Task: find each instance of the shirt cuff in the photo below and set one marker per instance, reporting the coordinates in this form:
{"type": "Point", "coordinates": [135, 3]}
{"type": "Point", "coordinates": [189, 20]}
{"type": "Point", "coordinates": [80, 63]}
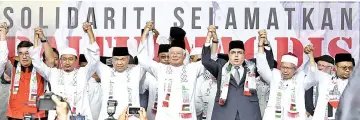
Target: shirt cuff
{"type": "Point", "coordinates": [214, 57]}
{"type": "Point", "coordinates": [267, 48]}
{"type": "Point", "coordinates": [207, 44]}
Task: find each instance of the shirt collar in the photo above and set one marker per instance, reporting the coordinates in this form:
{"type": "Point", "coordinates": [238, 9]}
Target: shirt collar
{"type": "Point", "coordinates": [23, 69]}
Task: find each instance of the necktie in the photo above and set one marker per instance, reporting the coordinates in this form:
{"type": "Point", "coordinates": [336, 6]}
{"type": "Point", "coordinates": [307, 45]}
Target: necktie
{"type": "Point", "coordinates": [237, 74]}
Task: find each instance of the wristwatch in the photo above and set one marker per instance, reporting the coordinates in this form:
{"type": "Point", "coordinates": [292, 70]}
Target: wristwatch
{"type": "Point", "coordinates": [44, 40]}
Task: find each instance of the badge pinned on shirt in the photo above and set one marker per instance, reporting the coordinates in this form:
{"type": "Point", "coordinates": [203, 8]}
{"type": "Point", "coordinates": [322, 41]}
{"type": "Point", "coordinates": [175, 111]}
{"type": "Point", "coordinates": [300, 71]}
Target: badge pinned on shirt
{"type": "Point", "coordinates": [77, 117]}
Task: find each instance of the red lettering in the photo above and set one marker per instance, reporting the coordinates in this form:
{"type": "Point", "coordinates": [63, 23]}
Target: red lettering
{"type": "Point", "coordinates": [200, 41]}
{"type": "Point", "coordinates": [10, 40]}
{"type": "Point", "coordinates": [121, 41]}
{"type": "Point", "coordinates": [282, 47]}
{"type": "Point", "coordinates": [225, 44]}
{"type": "Point", "coordinates": [334, 49]}
{"type": "Point", "coordinates": [22, 38]}
{"type": "Point", "coordinates": [298, 50]}
{"type": "Point", "coordinates": [100, 42]}
{"type": "Point", "coordinates": [249, 48]}
{"type": "Point", "coordinates": [187, 46]}
{"type": "Point", "coordinates": [317, 43]}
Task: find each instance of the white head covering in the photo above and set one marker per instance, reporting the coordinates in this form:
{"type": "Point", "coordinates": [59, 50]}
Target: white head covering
{"type": "Point", "coordinates": [68, 50]}
{"type": "Point", "coordinates": [196, 51]}
{"type": "Point", "coordinates": [289, 59]}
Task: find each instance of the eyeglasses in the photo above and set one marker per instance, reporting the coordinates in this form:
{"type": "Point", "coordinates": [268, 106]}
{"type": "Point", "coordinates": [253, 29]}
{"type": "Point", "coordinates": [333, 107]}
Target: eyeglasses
{"type": "Point", "coordinates": [347, 68]}
{"type": "Point", "coordinates": [24, 54]}
{"type": "Point", "coordinates": [163, 57]}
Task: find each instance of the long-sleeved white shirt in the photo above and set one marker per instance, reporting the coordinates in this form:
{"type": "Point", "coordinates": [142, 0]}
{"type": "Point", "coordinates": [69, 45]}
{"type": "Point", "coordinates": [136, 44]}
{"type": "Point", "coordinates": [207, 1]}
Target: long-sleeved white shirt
{"type": "Point", "coordinates": [303, 82]}
{"type": "Point", "coordinates": [95, 98]}
{"type": "Point", "coordinates": [325, 84]}
{"type": "Point", "coordinates": [158, 70]}
{"type": "Point", "coordinates": [120, 88]}
{"type": "Point", "coordinates": [3, 56]}
{"type": "Point", "coordinates": [68, 89]}
{"type": "Point", "coordinates": [152, 86]}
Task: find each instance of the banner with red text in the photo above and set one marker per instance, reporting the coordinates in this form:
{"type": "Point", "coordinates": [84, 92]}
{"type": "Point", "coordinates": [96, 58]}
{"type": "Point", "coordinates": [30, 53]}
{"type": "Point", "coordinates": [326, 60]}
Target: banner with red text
{"type": "Point", "coordinates": [332, 27]}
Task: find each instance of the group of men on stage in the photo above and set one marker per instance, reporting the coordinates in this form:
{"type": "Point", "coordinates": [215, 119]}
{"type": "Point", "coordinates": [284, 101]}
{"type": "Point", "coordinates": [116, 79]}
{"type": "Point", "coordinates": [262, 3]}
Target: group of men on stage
{"type": "Point", "coordinates": [210, 86]}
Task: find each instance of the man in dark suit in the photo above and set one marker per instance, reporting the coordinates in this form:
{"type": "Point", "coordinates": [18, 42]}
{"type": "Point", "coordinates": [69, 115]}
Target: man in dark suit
{"type": "Point", "coordinates": [233, 99]}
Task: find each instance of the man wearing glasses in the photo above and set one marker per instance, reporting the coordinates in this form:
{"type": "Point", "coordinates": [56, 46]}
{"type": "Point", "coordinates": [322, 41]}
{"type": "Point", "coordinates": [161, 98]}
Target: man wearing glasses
{"type": "Point", "coordinates": [332, 86]}
{"type": "Point", "coordinates": [324, 63]}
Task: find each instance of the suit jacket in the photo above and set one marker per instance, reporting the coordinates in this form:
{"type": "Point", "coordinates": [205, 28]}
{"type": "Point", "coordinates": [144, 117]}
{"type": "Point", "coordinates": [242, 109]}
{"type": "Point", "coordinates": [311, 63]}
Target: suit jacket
{"type": "Point", "coordinates": [309, 106]}
{"type": "Point", "coordinates": [246, 106]}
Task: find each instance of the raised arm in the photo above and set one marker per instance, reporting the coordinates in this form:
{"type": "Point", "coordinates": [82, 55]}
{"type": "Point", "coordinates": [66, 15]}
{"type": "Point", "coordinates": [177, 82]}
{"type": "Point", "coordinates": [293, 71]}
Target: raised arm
{"type": "Point", "coordinates": [3, 49]}
{"type": "Point", "coordinates": [145, 52]}
{"type": "Point", "coordinates": [262, 64]}
{"type": "Point", "coordinates": [312, 74]}
{"type": "Point", "coordinates": [208, 61]}
{"type": "Point", "coordinates": [49, 53]}
{"type": "Point", "coordinates": [38, 64]}
{"type": "Point", "coordinates": [92, 52]}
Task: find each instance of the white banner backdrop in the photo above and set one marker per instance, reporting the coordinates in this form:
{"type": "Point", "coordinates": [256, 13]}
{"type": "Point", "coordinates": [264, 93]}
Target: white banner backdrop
{"type": "Point", "coordinates": [290, 25]}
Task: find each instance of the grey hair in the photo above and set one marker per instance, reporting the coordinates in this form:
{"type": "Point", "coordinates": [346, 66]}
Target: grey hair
{"type": "Point", "coordinates": [184, 51]}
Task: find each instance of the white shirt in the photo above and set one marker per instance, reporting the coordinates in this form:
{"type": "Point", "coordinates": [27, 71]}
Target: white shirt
{"type": "Point", "coordinates": [325, 85]}
{"type": "Point", "coordinates": [206, 96]}
{"type": "Point", "coordinates": [158, 70]}
{"type": "Point", "coordinates": [303, 82]}
{"type": "Point", "coordinates": [240, 70]}
{"type": "Point", "coordinates": [3, 56]}
{"type": "Point", "coordinates": [151, 85]}
{"type": "Point", "coordinates": [94, 92]}
{"type": "Point", "coordinates": [120, 88]}
{"type": "Point", "coordinates": [69, 87]}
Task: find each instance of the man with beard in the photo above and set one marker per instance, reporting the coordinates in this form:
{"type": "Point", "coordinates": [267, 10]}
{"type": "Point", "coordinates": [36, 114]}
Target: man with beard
{"type": "Point", "coordinates": [70, 82]}
{"type": "Point", "coordinates": [324, 63]}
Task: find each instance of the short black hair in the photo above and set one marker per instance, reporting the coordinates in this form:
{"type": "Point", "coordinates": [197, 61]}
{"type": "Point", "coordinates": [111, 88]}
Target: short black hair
{"type": "Point", "coordinates": [24, 44]}
{"type": "Point", "coordinates": [54, 50]}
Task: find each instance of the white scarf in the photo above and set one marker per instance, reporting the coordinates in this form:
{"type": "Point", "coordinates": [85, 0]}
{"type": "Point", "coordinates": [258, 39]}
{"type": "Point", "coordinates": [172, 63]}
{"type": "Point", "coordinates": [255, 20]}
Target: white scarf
{"type": "Point", "coordinates": [250, 82]}
{"type": "Point", "coordinates": [281, 89]}
{"type": "Point", "coordinates": [128, 85]}
{"type": "Point", "coordinates": [185, 109]}
{"type": "Point", "coordinates": [33, 84]}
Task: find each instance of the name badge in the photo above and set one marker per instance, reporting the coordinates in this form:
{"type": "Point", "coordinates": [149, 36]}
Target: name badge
{"type": "Point", "coordinates": [77, 117]}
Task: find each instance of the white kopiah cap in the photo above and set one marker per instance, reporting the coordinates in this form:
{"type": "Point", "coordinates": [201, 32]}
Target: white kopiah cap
{"type": "Point", "coordinates": [290, 58]}
{"type": "Point", "coordinates": [68, 50]}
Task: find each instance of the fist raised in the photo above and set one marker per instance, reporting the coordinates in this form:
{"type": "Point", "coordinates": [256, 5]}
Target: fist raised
{"type": "Point", "coordinates": [149, 25]}
{"type": "Point", "coordinates": [262, 34]}
{"type": "Point", "coordinates": [87, 27]}
{"type": "Point", "coordinates": [4, 28]}
{"type": "Point", "coordinates": [309, 49]}
{"type": "Point", "coordinates": [212, 28]}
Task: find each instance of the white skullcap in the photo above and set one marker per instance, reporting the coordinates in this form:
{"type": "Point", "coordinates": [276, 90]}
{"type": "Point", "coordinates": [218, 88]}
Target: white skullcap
{"type": "Point", "coordinates": [196, 51]}
{"type": "Point", "coordinates": [290, 59]}
{"type": "Point", "coordinates": [70, 51]}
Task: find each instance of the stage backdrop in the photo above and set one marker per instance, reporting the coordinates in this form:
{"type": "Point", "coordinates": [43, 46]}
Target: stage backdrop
{"type": "Point", "coordinates": [332, 27]}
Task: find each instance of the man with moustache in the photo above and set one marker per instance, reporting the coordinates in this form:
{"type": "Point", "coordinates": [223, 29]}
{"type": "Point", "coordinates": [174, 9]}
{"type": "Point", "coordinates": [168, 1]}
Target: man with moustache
{"type": "Point", "coordinates": [69, 81]}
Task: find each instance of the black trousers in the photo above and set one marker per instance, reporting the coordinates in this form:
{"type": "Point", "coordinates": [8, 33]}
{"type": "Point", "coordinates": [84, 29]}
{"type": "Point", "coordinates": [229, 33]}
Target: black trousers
{"type": "Point", "coordinates": [9, 118]}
